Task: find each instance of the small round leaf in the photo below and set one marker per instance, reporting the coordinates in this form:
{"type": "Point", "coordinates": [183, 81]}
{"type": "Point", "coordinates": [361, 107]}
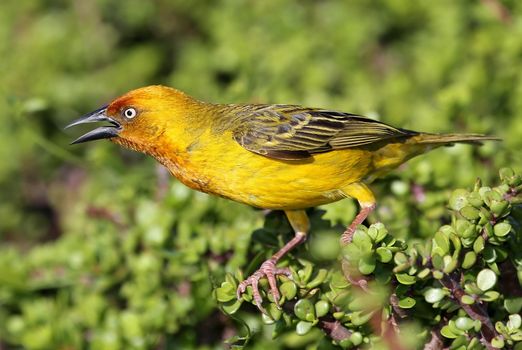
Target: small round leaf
{"type": "Point", "coordinates": [304, 309]}
{"type": "Point", "coordinates": [406, 279]}
{"type": "Point", "coordinates": [407, 303]}
{"type": "Point", "coordinates": [464, 323]}
{"type": "Point", "coordinates": [434, 295]}
{"type": "Point", "coordinates": [321, 308]}
{"type": "Point", "coordinates": [502, 229]}
{"type": "Point", "coordinates": [486, 279]}
{"type": "Point", "coordinates": [303, 327]}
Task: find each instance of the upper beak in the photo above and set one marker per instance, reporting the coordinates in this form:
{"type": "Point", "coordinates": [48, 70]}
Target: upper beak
{"type": "Point", "coordinates": [103, 132]}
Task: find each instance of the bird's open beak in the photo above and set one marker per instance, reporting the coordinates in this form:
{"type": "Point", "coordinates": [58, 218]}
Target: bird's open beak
{"type": "Point", "coordinates": [103, 132]}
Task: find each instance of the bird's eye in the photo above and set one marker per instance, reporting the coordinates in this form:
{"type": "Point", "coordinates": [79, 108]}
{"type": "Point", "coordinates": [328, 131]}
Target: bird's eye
{"type": "Point", "coordinates": [130, 113]}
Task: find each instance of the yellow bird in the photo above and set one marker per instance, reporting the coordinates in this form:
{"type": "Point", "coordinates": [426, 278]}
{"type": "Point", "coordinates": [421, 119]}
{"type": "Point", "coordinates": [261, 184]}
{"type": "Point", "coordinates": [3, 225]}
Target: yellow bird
{"type": "Point", "coordinates": [281, 157]}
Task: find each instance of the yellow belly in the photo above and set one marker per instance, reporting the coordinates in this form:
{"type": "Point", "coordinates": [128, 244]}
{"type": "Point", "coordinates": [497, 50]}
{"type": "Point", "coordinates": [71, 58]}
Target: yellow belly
{"type": "Point", "coordinates": [228, 170]}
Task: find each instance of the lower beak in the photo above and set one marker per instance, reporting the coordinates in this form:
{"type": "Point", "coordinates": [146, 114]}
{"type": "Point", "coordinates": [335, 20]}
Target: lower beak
{"type": "Point", "coordinates": [103, 132]}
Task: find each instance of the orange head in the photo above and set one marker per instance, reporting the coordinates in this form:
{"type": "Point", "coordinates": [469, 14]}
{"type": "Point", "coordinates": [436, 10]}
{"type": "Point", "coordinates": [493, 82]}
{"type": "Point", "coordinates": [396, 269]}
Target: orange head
{"type": "Point", "coordinates": [139, 118]}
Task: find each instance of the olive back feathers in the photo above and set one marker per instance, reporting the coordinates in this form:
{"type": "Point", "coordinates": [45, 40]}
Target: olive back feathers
{"type": "Point", "coordinates": [291, 132]}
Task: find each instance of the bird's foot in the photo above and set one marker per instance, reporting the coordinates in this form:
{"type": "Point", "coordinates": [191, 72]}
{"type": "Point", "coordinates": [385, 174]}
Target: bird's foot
{"type": "Point", "coordinates": [269, 270]}
{"type": "Point", "coordinates": [366, 209]}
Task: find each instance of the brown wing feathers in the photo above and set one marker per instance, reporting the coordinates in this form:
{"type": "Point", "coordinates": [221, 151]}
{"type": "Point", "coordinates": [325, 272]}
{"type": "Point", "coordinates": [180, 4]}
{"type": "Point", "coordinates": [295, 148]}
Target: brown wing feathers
{"type": "Point", "coordinates": [293, 132]}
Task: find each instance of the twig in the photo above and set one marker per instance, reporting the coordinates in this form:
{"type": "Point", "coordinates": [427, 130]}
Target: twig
{"type": "Point", "coordinates": [106, 214]}
{"type": "Point", "coordinates": [330, 326]}
{"type": "Point", "coordinates": [387, 328]}
{"type": "Point", "coordinates": [436, 342]}
{"type": "Point", "coordinates": [333, 328]}
{"type": "Point", "coordinates": [397, 311]}
{"type": "Point", "coordinates": [500, 11]}
{"type": "Point", "coordinates": [353, 276]}
{"type": "Point", "coordinates": [475, 311]}
{"type": "Point", "coordinates": [390, 335]}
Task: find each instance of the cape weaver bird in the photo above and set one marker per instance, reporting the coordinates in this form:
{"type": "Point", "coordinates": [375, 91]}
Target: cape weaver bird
{"type": "Point", "coordinates": [283, 157]}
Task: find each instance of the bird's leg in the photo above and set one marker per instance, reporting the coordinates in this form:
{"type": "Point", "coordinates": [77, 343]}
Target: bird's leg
{"type": "Point", "coordinates": [366, 209]}
{"type": "Point", "coordinates": [300, 223]}
{"type": "Point", "coordinates": [366, 201]}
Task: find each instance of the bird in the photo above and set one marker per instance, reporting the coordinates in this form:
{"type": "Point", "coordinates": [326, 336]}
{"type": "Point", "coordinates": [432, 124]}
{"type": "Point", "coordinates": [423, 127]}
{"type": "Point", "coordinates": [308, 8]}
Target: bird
{"type": "Point", "coordinates": [270, 156]}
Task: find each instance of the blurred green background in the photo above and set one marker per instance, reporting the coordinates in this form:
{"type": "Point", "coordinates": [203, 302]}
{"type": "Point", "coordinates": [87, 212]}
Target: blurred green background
{"type": "Point", "coordinates": [101, 249]}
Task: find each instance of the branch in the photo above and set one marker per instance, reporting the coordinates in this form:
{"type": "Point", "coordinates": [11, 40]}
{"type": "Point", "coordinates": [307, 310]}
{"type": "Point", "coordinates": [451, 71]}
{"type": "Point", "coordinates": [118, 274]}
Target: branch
{"type": "Point", "coordinates": [333, 328]}
{"type": "Point", "coordinates": [397, 313]}
{"type": "Point", "coordinates": [500, 11]}
{"type": "Point", "coordinates": [436, 342]}
{"type": "Point", "coordinates": [475, 311]}
{"type": "Point", "coordinates": [386, 327]}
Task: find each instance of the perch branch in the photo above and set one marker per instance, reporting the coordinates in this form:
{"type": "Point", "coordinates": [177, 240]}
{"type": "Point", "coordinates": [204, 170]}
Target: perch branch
{"type": "Point", "coordinates": [475, 311]}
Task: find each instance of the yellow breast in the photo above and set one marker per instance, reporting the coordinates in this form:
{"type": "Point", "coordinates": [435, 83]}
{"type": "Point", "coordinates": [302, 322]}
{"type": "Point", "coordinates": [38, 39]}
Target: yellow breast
{"type": "Point", "coordinates": [220, 166]}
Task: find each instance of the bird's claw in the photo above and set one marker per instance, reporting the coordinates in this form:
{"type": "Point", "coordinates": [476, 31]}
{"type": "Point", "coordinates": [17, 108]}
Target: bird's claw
{"type": "Point", "coordinates": [269, 270]}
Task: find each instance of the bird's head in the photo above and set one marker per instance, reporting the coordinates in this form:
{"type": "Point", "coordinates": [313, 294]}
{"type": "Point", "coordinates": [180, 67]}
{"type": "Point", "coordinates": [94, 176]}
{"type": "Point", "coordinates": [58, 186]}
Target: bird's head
{"type": "Point", "coordinates": [139, 118]}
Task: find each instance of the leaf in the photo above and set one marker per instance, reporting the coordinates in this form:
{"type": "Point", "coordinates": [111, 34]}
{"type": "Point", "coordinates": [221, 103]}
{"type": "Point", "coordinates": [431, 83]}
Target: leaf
{"type": "Point", "coordinates": [486, 279]}
{"type": "Point", "coordinates": [515, 321]}
{"type": "Point", "coordinates": [305, 273]}
{"type": "Point", "coordinates": [478, 245]}
{"type": "Point", "coordinates": [499, 207]}
{"type": "Point", "coordinates": [361, 239]}
{"type": "Point", "coordinates": [367, 265]}
{"type": "Point", "coordinates": [513, 305]}
{"type": "Point", "coordinates": [434, 295]}
{"type": "Point", "coordinates": [490, 295]}
{"type": "Point", "coordinates": [400, 258]}
{"type": "Point", "coordinates": [448, 333]}
{"type": "Point", "coordinates": [356, 338]}
{"type": "Point", "coordinates": [231, 307]}
{"type": "Point", "coordinates": [359, 318]}
{"type": "Point", "coordinates": [384, 254]}
{"type": "Point", "coordinates": [458, 199]}
{"type": "Point", "coordinates": [470, 213]}
{"type": "Point", "coordinates": [226, 292]}
{"type": "Point", "coordinates": [303, 327]}
{"type": "Point", "coordinates": [489, 254]}
{"type": "Point", "coordinates": [318, 279]}
{"type": "Point", "coordinates": [441, 241]}
{"type": "Point", "coordinates": [288, 289]}
{"type": "Point", "coordinates": [407, 303]}
{"type": "Point", "coordinates": [466, 299]}
{"type": "Point", "coordinates": [406, 279]}
{"type": "Point", "coordinates": [497, 342]}
{"type": "Point", "coordinates": [469, 260]}
{"type": "Point", "coordinates": [322, 307]}
{"type": "Point", "coordinates": [464, 323]}
{"type": "Point", "coordinates": [304, 309]}
{"type": "Point", "coordinates": [502, 229]}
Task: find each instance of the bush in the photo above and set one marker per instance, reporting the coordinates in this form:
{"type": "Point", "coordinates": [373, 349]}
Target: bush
{"type": "Point", "coordinates": [100, 250]}
{"type": "Point", "coordinates": [461, 287]}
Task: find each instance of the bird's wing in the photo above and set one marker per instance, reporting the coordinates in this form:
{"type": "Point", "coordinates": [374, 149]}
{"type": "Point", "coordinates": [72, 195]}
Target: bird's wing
{"type": "Point", "coordinates": [290, 132]}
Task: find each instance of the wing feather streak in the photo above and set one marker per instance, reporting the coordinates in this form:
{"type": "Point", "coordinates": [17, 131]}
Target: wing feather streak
{"type": "Point", "coordinates": [293, 132]}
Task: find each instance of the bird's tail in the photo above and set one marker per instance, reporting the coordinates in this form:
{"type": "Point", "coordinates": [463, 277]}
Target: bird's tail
{"type": "Point", "coordinates": [449, 139]}
{"type": "Point", "coordinates": [394, 154]}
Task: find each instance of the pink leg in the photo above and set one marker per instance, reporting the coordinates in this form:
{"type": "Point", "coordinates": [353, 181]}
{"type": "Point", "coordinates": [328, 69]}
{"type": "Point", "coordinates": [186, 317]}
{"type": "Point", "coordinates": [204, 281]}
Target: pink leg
{"type": "Point", "coordinates": [269, 270]}
{"type": "Point", "coordinates": [366, 209]}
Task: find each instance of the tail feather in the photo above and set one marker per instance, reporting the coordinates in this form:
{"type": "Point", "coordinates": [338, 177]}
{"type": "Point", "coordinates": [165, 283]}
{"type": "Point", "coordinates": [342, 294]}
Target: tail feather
{"type": "Point", "coordinates": [394, 154]}
{"type": "Point", "coordinates": [449, 139]}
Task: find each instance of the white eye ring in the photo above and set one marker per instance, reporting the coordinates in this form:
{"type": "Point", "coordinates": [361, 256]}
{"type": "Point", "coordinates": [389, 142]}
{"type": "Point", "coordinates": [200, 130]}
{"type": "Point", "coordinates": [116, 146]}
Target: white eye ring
{"type": "Point", "coordinates": [130, 113]}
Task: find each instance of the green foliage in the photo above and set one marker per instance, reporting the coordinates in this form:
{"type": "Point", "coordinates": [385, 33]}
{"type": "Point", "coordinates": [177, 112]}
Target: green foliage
{"type": "Point", "coordinates": [98, 248]}
{"type": "Point", "coordinates": [449, 283]}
